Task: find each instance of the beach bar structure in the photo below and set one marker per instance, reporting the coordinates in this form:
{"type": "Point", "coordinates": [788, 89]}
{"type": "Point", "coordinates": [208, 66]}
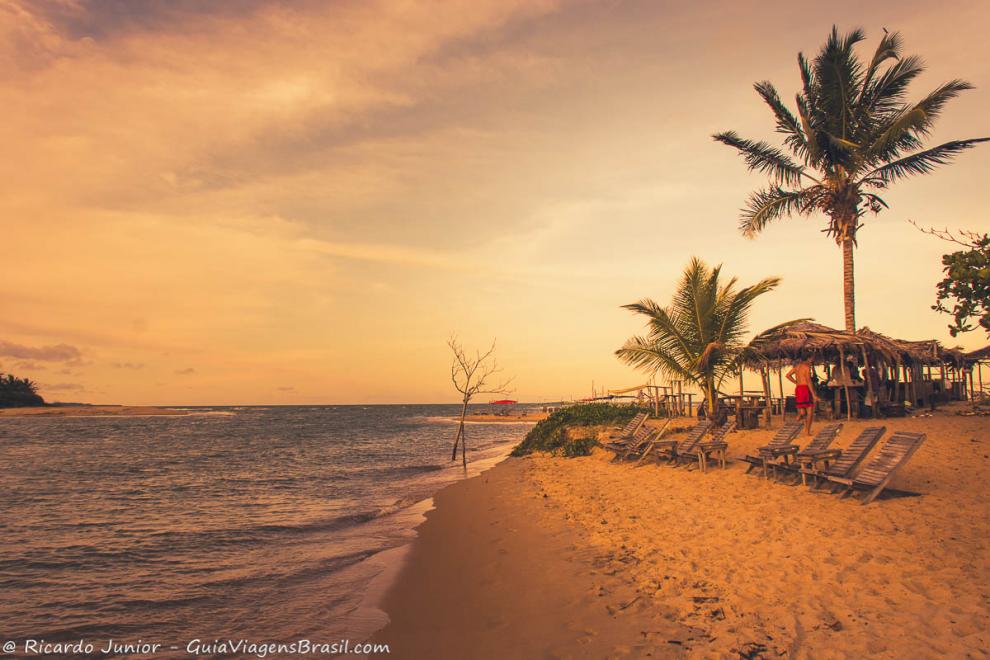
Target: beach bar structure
{"type": "Point", "coordinates": [975, 360]}
{"type": "Point", "coordinates": [670, 400]}
{"type": "Point", "coordinates": [894, 371]}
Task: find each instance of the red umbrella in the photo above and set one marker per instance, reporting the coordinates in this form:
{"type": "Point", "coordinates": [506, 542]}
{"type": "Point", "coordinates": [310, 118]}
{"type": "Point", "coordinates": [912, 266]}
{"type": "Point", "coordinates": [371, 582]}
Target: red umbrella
{"type": "Point", "coordinates": [503, 402]}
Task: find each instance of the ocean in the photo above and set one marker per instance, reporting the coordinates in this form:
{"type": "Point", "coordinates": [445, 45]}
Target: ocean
{"type": "Point", "coordinates": [258, 523]}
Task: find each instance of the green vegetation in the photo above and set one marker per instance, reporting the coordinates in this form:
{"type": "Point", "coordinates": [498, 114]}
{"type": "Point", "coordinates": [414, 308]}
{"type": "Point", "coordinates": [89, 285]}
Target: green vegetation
{"type": "Point", "coordinates": [18, 392]}
{"type": "Point", "coordinates": [967, 285]}
{"type": "Point", "coordinates": [551, 434]}
{"type": "Point", "coordinates": [854, 134]}
{"type": "Point", "coordinates": [699, 336]}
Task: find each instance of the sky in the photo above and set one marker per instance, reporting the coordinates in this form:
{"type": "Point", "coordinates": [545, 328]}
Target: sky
{"type": "Point", "coordinates": [255, 202]}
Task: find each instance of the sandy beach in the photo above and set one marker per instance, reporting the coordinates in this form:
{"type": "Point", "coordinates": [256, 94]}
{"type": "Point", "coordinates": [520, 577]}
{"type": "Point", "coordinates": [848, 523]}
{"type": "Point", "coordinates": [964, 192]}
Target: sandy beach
{"type": "Point", "coordinates": [88, 411]}
{"type": "Point", "coordinates": [554, 557]}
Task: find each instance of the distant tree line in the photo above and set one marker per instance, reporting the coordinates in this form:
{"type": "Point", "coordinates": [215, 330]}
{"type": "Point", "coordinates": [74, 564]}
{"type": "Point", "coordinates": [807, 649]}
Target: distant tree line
{"type": "Point", "coordinates": [15, 392]}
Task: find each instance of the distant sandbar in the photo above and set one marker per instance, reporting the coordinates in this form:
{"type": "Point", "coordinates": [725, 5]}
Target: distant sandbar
{"type": "Point", "coordinates": [88, 411]}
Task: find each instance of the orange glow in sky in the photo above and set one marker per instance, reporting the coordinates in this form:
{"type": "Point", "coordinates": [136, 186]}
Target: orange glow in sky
{"type": "Point", "coordinates": [298, 202]}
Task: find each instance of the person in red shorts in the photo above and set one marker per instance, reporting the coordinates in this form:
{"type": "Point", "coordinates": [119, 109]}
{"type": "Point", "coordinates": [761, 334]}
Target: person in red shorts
{"type": "Point", "coordinates": [804, 393]}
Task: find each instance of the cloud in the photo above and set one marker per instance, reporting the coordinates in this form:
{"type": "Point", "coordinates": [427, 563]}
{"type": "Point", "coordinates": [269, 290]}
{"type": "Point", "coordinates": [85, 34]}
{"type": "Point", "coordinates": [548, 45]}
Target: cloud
{"type": "Point", "coordinates": [56, 353]}
{"type": "Point", "coordinates": [63, 387]}
{"type": "Point", "coordinates": [185, 372]}
{"type": "Point", "coordinates": [286, 389]}
{"type": "Point", "coordinates": [127, 365]}
{"type": "Point", "coordinates": [30, 366]}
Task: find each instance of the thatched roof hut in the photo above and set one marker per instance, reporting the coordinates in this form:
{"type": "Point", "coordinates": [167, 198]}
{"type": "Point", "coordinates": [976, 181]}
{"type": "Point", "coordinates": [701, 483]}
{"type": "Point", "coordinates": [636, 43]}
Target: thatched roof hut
{"type": "Point", "coordinates": [979, 355]}
{"type": "Point", "coordinates": [785, 343]}
{"type": "Point", "coordinates": [791, 341]}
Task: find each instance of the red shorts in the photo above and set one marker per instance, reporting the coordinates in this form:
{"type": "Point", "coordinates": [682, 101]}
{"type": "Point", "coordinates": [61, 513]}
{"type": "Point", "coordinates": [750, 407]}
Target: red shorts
{"type": "Point", "coordinates": [802, 395]}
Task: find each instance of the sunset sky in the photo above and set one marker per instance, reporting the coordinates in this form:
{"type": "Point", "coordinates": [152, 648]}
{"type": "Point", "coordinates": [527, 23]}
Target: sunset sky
{"type": "Point", "coordinates": [297, 202]}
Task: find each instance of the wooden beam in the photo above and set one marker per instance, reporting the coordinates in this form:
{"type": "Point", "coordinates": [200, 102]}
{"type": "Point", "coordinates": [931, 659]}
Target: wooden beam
{"type": "Point", "coordinates": [844, 373]}
{"type": "Point", "coordinates": [765, 377]}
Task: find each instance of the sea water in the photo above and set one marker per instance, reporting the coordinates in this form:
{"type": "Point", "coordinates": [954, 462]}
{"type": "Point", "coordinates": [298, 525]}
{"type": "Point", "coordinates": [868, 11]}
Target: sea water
{"type": "Point", "coordinates": [257, 523]}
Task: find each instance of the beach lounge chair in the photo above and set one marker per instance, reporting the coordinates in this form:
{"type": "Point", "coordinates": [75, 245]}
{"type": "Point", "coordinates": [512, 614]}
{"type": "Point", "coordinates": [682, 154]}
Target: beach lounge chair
{"type": "Point", "coordinates": [715, 447]}
{"type": "Point", "coordinates": [643, 449]}
{"type": "Point", "coordinates": [817, 452]}
{"type": "Point", "coordinates": [849, 459]}
{"type": "Point", "coordinates": [631, 427]}
{"type": "Point", "coordinates": [671, 449]}
{"type": "Point", "coordinates": [781, 442]}
{"type": "Point", "coordinates": [873, 478]}
{"type": "Point", "coordinates": [639, 437]}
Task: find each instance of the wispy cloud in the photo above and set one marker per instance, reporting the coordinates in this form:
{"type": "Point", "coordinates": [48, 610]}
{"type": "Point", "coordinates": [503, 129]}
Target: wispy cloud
{"type": "Point", "coordinates": [56, 353]}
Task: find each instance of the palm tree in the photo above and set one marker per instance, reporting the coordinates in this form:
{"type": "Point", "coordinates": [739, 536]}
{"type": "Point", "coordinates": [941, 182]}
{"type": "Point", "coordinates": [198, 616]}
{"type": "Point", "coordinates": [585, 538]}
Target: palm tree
{"type": "Point", "coordinates": [853, 134]}
{"type": "Point", "coordinates": [698, 337]}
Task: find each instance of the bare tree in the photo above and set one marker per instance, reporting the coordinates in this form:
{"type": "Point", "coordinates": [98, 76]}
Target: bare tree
{"type": "Point", "coordinates": [472, 376]}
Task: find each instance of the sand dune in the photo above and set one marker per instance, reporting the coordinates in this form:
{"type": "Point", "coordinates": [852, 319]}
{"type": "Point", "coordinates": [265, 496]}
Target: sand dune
{"type": "Point", "coordinates": [552, 557]}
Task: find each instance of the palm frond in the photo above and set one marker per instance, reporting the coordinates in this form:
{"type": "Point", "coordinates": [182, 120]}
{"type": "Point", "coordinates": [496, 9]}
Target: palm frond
{"type": "Point", "coordinates": [886, 93]}
{"type": "Point", "coordinates": [769, 204]}
{"type": "Point", "coordinates": [889, 48]}
{"type": "Point", "coordinates": [642, 353]}
{"type": "Point", "coordinates": [763, 157]}
{"type": "Point", "coordinates": [787, 123]}
{"type": "Point", "coordinates": [838, 74]}
{"type": "Point", "coordinates": [933, 104]}
{"type": "Point", "coordinates": [922, 162]}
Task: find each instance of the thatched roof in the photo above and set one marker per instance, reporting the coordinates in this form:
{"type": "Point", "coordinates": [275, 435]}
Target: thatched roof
{"type": "Point", "coordinates": [799, 339]}
{"type": "Point", "coordinates": [805, 338]}
{"type": "Point", "coordinates": [979, 355]}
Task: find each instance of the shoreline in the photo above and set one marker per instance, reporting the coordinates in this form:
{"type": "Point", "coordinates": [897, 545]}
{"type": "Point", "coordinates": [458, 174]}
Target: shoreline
{"type": "Point", "coordinates": [552, 557]}
{"type": "Point", "coordinates": [489, 575]}
{"type": "Point", "coordinates": [370, 615]}
{"type": "Point", "coordinates": [90, 411]}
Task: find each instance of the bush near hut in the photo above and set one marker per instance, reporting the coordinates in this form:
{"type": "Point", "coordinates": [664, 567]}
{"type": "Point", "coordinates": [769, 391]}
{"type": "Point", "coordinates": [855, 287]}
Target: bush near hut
{"type": "Point", "coordinates": [551, 435]}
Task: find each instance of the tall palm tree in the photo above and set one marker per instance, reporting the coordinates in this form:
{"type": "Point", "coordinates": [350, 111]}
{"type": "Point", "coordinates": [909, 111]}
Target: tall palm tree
{"type": "Point", "coordinates": [699, 335]}
{"type": "Point", "coordinates": [853, 134]}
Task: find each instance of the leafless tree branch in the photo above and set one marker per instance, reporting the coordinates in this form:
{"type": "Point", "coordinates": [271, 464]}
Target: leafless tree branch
{"type": "Point", "coordinates": [470, 376]}
{"type": "Point", "coordinates": [965, 237]}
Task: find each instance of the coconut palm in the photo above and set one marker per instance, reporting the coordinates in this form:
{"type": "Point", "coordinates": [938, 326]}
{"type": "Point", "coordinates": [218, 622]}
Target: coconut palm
{"type": "Point", "coordinates": [853, 135]}
{"type": "Point", "coordinates": [699, 335]}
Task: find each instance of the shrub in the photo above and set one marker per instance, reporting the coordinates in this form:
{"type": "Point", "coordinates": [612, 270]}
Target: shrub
{"type": "Point", "coordinates": [579, 447]}
{"type": "Point", "coordinates": [550, 434]}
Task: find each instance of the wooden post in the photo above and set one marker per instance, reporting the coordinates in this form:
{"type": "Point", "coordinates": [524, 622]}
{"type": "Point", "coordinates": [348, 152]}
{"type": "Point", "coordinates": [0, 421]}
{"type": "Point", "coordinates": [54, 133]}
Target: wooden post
{"type": "Point", "coordinates": [765, 374]}
{"type": "Point", "coordinates": [900, 386]}
{"type": "Point", "coordinates": [979, 372]}
{"type": "Point", "coordinates": [950, 391]}
{"type": "Point", "coordinates": [844, 372]}
{"type": "Point", "coordinates": [869, 382]}
{"type": "Point", "coordinates": [739, 419]}
{"type": "Point", "coordinates": [783, 397]}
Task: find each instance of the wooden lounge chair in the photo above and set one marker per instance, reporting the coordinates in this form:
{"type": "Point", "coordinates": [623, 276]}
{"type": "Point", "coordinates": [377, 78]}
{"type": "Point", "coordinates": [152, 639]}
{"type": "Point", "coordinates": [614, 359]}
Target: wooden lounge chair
{"type": "Point", "coordinates": [631, 427]}
{"type": "Point", "coordinates": [715, 447]}
{"type": "Point", "coordinates": [818, 451]}
{"type": "Point", "coordinates": [781, 439]}
{"type": "Point", "coordinates": [881, 469]}
{"type": "Point", "coordinates": [849, 458]}
{"type": "Point", "coordinates": [671, 449]}
{"type": "Point", "coordinates": [643, 449]}
{"type": "Point", "coordinates": [642, 435]}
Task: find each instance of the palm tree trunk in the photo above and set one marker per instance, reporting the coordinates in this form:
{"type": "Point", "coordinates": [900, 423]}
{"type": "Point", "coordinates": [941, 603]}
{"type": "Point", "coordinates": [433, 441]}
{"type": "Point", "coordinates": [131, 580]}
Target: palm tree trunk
{"type": "Point", "coordinates": [848, 284]}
